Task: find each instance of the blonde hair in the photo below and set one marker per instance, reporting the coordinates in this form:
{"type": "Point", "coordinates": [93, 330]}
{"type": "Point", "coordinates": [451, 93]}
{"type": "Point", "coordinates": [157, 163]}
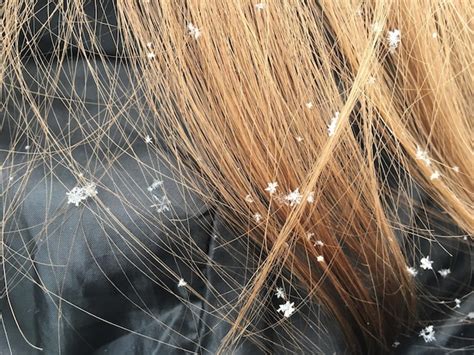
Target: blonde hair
{"type": "Point", "coordinates": [313, 96]}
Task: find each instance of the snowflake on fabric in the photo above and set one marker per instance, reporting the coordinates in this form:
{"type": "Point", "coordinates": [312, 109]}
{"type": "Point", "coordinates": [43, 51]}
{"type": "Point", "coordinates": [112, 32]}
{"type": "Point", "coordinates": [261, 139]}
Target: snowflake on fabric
{"type": "Point", "coordinates": [79, 194]}
{"type": "Point", "coordinates": [428, 334]}
{"type": "Point", "coordinates": [426, 263]}
{"type": "Point", "coordinates": [280, 293]}
{"type": "Point", "coordinates": [394, 38]}
{"type": "Point", "coordinates": [182, 283]}
{"type": "Point", "coordinates": [412, 271]}
{"type": "Point", "coordinates": [444, 272]}
{"type": "Point", "coordinates": [272, 187]}
{"type": "Point", "coordinates": [333, 124]}
{"type": "Point", "coordinates": [294, 197]}
{"type": "Point", "coordinates": [287, 308]}
{"type": "Point", "coordinates": [194, 31]}
{"type": "Point", "coordinates": [162, 205]}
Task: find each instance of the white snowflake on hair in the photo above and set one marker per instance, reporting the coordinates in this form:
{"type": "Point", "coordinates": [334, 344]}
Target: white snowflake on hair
{"type": "Point", "coordinates": [309, 235]}
{"type": "Point", "coordinates": [422, 155]}
{"type": "Point", "coordinates": [435, 175]}
{"type": "Point", "coordinates": [249, 199]}
{"type": "Point", "coordinates": [333, 124]}
{"type": "Point", "coordinates": [470, 315]}
{"type": "Point", "coordinates": [456, 168]}
{"type": "Point", "coordinates": [426, 263]}
{"type": "Point", "coordinates": [194, 31]}
{"type": "Point", "coordinates": [272, 187]}
{"type": "Point", "coordinates": [428, 334]}
{"type": "Point", "coordinates": [319, 243]}
{"type": "Point", "coordinates": [156, 183]}
{"type": "Point", "coordinates": [287, 308]}
{"type": "Point", "coordinates": [376, 27]}
{"type": "Point", "coordinates": [299, 139]}
{"type": "Point", "coordinates": [309, 105]}
{"type": "Point", "coordinates": [394, 38]}
{"type": "Point", "coordinates": [371, 80]}
{"type": "Point", "coordinates": [310, 198]}
{"type": "Point", "coordinates": [148, 139]}
{"type": "Point", "coordinates": [260, 6]}
{"type": "Point", "coordinates": [150, 55]}
{"type": "Point", "coordinates": [412, 271]}
{"type": "Point", "coordinates": [294, 197]}
{"type": "Point", "coordinates": [458, 303]}
{"type": "Point", "coordinates": [78, 194]}
{"type": "Point", "coordinates": [434, 35]}
{"type": "Point", "coordinates": [444, 272]}
{"type": "Point", "coordinates": [320, 259]}
{"type": "Point", "coordinates": [395, 344]}
{"type": "Point", "coordinates": [280, 293]}
{"type": "Point", "coordinates": [162, 205]}
{"type": "Point", "coordinates": [257, 217]}
{"type": "Point", "coordinates": [182, 283]}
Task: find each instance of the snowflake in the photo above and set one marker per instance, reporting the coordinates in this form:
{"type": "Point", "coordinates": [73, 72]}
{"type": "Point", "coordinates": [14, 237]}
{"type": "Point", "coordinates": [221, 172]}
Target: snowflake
{"type": "Point", "coordinates": [393, 39]}
{"type": "Point", "coordinates": [90, 190]}
{"type": "Point", "coordinates": [435, 175]}
{"type": "Point", "coordinates": [149, 44]}
{"type": "Point", "coordinates": [376, 27]}
{"type": "Point", "coordinates": [148, 139]}
{"type": "Point", "coordinates": [294, 197]}
{"type": "Point", "coordinates": [280, 293]}
{"type": "Point", "coordinates": [78, 194]}
{"type": "Point", "coordinates": [434, 35]}
{"type": "Point", "coordinates": [309, 105]}
{"type": "Point", "coordinates": [458, 303]}
{"type": "Point", "coordinates": [299, 139]}
{"type": "Point", "coordinates": [272, 187]}
{"type": "Point", "coordinates": [412, 271]}
{"type": "Point", "coordinates": [444, 272]}
{"type": "Point", "coordinates": [395, 344]}
{"type": "Point", "coordinates": [428, 334]}
{"type": "Point", "coordinates": [260, 6]}
{"type": "Point", "coordinates": [371, 80]}
{"type": "Point", "coordinates": [257, 217]}
{"type": "Point", "coordinates": [162, 205]}
{"type": "Point", "coordinates": [422, 154]}
{"type": "Point", "coordinates": [456, 168]}
{"type": "Point", "coordinates": [426, 263]}
{"type": "Point", "coordinates": [310, 198]}
{"type": "Point", "coordinates": [309, 235]}
{"type": "Point", "coordinates": [156, 183]}
{"type": "Point", "coordinates": [150, 55]}
{"type": "Point", "coordinates": [470, 315]}
{"type": "Point", "coordinates": [27, 147]}
{"type": "Point", "coordinates": [320, 258]}
{"type": "Point", "coordinates": [319, 243]}
{"type": "Point", "coordinates": [287, 308]}
{"type": "Point", "coordinates": [182, 283]}
{"type": "Point", "coordinates": [194, 31]}
{"type": "Point", "coordinates": [249, 199]}
{"type": "Point", "coordinates": [332, 126]}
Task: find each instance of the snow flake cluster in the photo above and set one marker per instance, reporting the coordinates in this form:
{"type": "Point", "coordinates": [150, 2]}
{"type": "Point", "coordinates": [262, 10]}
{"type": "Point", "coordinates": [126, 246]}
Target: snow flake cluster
{"type": "Point", "coordinates": [428, 334]}
{"type": "Point", "coordinates": [79, 194]}
{"type": "Point", "coordinates": [394, 38]}
{"type": "Point", "coordinates": [194, 31]}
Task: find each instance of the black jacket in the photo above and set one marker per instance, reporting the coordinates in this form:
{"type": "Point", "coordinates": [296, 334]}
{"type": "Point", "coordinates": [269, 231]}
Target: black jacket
{"type": "Point", "coordinates": [103, 276]}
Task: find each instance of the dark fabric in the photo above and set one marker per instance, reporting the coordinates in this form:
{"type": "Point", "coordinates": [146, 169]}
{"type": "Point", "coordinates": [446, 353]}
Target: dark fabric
{"type": "Point", "coordinates": [102, 277]}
